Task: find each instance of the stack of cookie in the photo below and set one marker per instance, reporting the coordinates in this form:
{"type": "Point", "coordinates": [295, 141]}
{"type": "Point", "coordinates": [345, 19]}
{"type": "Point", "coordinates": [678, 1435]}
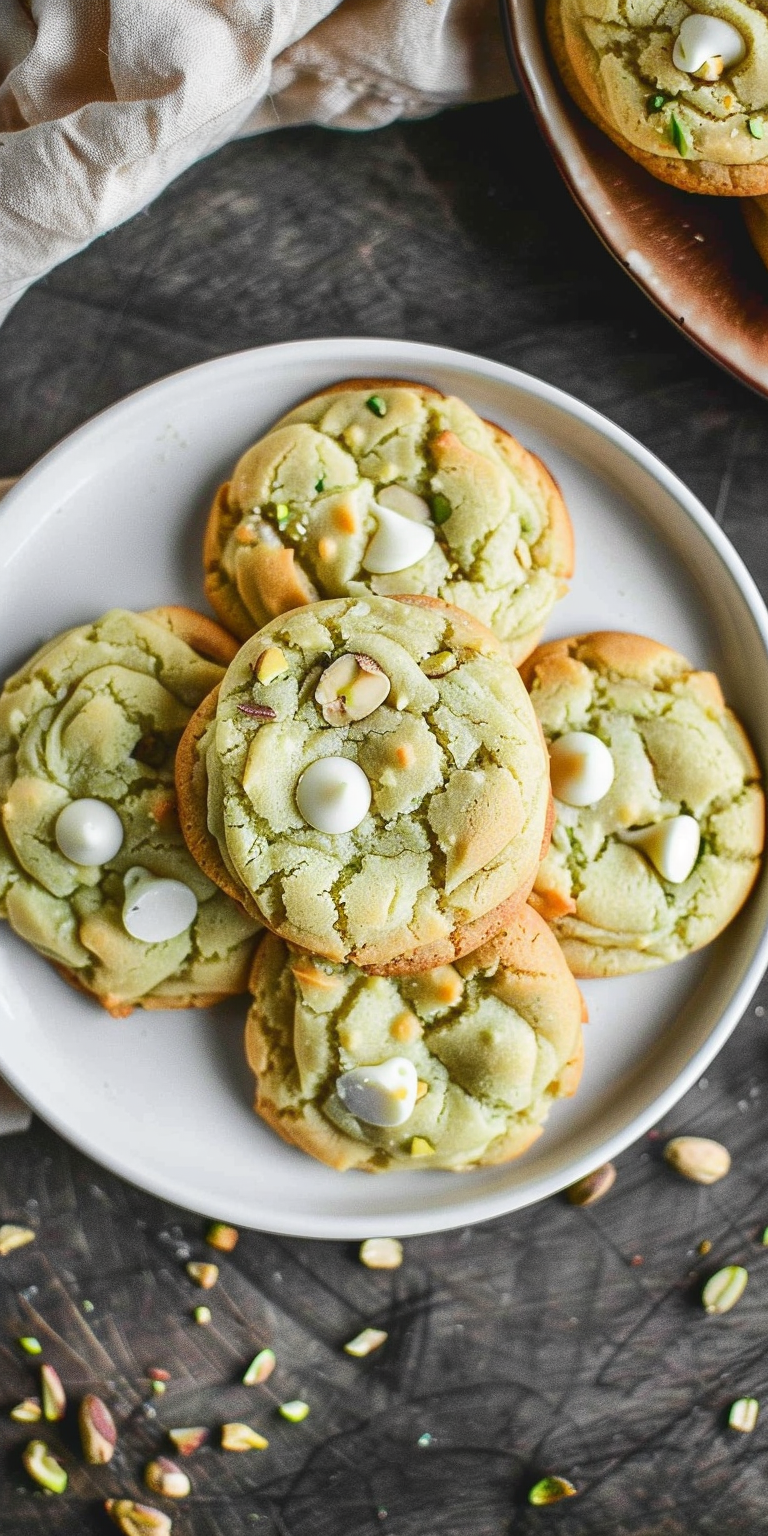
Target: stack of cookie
{"type": "Point", "coordinates": [367, 778]}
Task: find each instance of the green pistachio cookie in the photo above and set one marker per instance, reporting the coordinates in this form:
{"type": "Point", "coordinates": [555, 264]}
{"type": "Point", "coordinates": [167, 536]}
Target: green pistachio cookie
{"type": "Point", "coordinates": [682, 89]}
{"type": "Point", "coordinates": [371, 781]}
{"type": "Point", "coordinates": [392, 488]}
{"type": "Point", "coordinates": [452, 1068]}
{"type": "Point", "coordinates": [94, 871]}
{"type": "Point", "coordinates": [658, 806]}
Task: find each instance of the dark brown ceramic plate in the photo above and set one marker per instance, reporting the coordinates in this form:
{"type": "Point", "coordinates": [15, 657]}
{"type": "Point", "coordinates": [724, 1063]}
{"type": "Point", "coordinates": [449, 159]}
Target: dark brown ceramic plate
{"type": "Point", "coordinates": [690, 254]}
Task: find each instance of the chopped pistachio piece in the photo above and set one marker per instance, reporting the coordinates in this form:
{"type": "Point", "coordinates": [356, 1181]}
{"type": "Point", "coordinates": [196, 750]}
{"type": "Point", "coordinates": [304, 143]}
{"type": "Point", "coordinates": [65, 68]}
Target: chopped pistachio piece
{"type": "Point", "coordinates": [43, 1468]}
{"type": "Point", "coordinates": [381, 1253]}
{"type": "Point", "coordinates": [12, 1237]}
{"type": "Point", "coordinates": [202, 1315]}
{"type": "Point", "coordinates": [30, 1345]}
{"type": "Point", "coordinates": [294, 1411]}
{"type": "Point", "coordinates": [366, 1342]}
{"type": "Point", "coordinates": [655, 102]}
{"type": "Point", "coordinates": [28, 1412]}
{"type": "Point", "coordinates": [765, 1238]}
{"type": "Point", "coordinates": [320, 484]}
{"type": "Point", "coordinates": [756, 127]}
{"type": "Point", "coordinates": [52, 1394]}
{"type": "Point", "coordinates": [420, 1147]}
{"type": "Point", "coordinates": [441, 509]}
{"type": "Point", "coordinates": [260, 1368]}
{"type": "Point", "coordinates": [269, 665]}
{"type": "Point", "coordinates": [723, 1289]}
{"type": "Point", "coordinates": [158, 1388]}
{"type": "Point", "coordinates": [186, 1441]}
{"type": "Point", "coordinates": [678, 135]}
{"type": "Point", "coordinates": [439, 664]}
{"type": "Point", "coordinates": [593, 1186]}
{"type": "Point", "coordinates": [204, 1275]}
{"type": "Point", "coordinates": [743, 1414]}
{"type": "Point", "coordinates": [240, 1437]}
{"type": "Point", "coordinates": [137, 1519]}
{"type": "Point", "coordinates": [98, 1433]}
{"type": "Point", "coordinates": [282, 513]}
{"type": "Point", "coordinates": [376, 405]}
{"type": "Point", "coordinates": [164, 1477]}
{"type": "Point", "coordinates": [550, 1490]}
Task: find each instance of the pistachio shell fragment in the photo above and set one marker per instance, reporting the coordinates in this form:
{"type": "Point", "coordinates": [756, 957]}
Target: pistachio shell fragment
{"type": "Point", "coordinates": [222, 1237]}
{"type": "Point", "coordinates": [12, 1237]}
{"type": "Point", "coordinates": [366, 1342]}
{"type": "Point", "coordinates": [724, 1289]}
{"type": "Point", "coordinates": [381, 1253]}
{"type": "Point", "coordinates": [550, 1490]}
{"type": "Point", "coordinates": [204, 1275]}
{"type": "Point", "coordinates": [743, 1414]}
{"type": "Point", "coordinates": [52, 1394]}
{"type": "Point", "coordinates": [137, 1519]}
{"type": "Point", "coordinates": [43, 1468]}
{"type": "Point", "coordinates": [240, 1437]}
{"type": "Point", "coordinates": [593, 1186]}
{"type": "Point", "coordinates": [260, 1368]}
{"type": "Point", "coordinates": [164, 1477]}
{"type": "Point", "coordinates": [97, 1431]}
{"type": "Point", "coordinates": [351, 688]}
{"type": "Point", "coordinates": [697, 1158]}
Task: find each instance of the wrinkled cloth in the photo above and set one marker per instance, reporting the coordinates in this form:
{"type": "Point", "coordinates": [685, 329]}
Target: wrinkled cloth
{"type": "Point", "coordinates": [104, 102]}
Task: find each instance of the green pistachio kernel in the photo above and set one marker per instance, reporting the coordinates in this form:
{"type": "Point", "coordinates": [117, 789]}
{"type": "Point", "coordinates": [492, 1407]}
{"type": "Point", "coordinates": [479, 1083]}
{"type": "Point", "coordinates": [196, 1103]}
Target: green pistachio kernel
{"type": "Point", "coordinates": [320, 484]}
{"type": "Point", "coordinates": [31, 1346]}
{"type": "Point", "coordinates": [294, 1411]}
{"type": "Point", "coordinates": [202, 1315]}
{"type": "Point", "coordinates": [743, 1414]}
{"type": "Point", "coordinates": [376, 405]}
{"type": "Point", "coordinates": [723, 1289]}
{"type": "Point", "coordinates": [441, 509]}
{"type": "Point", "coordinates": [282, 513]}
{"type": "Point", "coordinates": [43, 1467]}
{"type": "Point", "coordinates": [260, 1368]}
{"type": "Point", "coordinates": [655, 102]}
{"type": "Point", "coordinates": [678, 135]}
{"type": "Point", "coordinates": [755, 126]}
{"type": "Point", "coordinates": [550, 1490]}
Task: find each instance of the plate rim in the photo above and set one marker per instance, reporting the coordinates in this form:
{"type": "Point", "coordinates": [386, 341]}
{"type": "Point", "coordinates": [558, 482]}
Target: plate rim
{"type": "Point", "coordinates": [492, 1204]}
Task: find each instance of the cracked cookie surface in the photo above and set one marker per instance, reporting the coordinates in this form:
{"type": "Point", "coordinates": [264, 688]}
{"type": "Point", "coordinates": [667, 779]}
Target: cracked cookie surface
{"type": "Point", "coordinates": [460, 804]}
{"type": "Point", "coordinates": [495, 1040]}
{"type": "Point", "coordinates": [296, 519]}
{"type": "Point", "coordinates": [708, 136]}
{"type": "Point", "coordinates": [97, 714]}
{"type": "Point", "coordinates": [677, 752]}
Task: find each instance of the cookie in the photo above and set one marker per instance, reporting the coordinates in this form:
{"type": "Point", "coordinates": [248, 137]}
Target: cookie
{"type": "Point", "coordinates": [755, 211]}
{"type": "Point", "coordinates": [659, 809]}
{"type": "Point", "coordinates": [94, 871]}
{"type": "Point", "coordinates": [371, 780]}
{"type": "Point", "coordinates": [387, 487]}
{"type": "Point", "coordinates": [452, 1068]}
{"type": "Point", "coordinates": [684, 92]}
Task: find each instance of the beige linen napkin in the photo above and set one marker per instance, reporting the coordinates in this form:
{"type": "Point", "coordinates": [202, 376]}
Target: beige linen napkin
{"type": "Point", "coordinates": [104, 102]}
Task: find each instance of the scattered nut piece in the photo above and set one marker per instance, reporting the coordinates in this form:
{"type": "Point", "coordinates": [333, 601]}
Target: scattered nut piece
{"type": "Point", "coordinates": [220, 1236]}
{"type": "Point", "coordinates": [294, 1411]}
{"type": "Point", "coordinates": [550, 1490]}
{"type": "Point", "coordinates": [43, 1468]}
{"type": "Point", "coordinates": [523, 554]}
{"type": "Point", "coordinates": [723, 1289]}
{"type": "Point", "coordinates": [30, 1345]}
{"type": "Point", "coordinates": [202, 1315]}
{"type": "Point", "coordinates": [439, 665]}
{"type": "Point", "coordinates": [240, 1437]}
{"type": "Point", "coordinates": [269, 665]}
{"type": "Point", "coordinates": [187, 1441]}
{"type": "Point", "coordinates": [420, 1147]}
{"type": "Point", "coordinates": [366, 1342]}
{"type": "Point", "coordinates": [14, 1237]}
{"type": "Point", "coordinates": [592, 1187]}
{"type": "Point", "coordinates": [698, 1158]}
{"type": "Point", "coordinates": [351, 688]}
{"type": "Point", "coordinates": [204, 1275]}
{"type": "Point", "coordinates": [164, 1477]}
{"type": "Point", "coordinates": [158, 1374]}
{"type": "Point", "coordinates": [137, 1519]}
{"type": "Point", "coordinates": [52, 1394]}
{"type": "Point", "coordinates": [381, 1253]}
{"type": "Point", "coordinates": [28, 1412]}
{"type": "Point", "coordinates": [705, 1246]}
{"type": "Point", "coordinates": [97, 1431]}
{"type": "Point", "coordinates": [158, 1388]}
{"type": "Point", "coordinates": [258, 711]}
{"type": "Point", "coordinates": [260, 1368]}
{"type": "Point", "coordinates": [743, 1414]}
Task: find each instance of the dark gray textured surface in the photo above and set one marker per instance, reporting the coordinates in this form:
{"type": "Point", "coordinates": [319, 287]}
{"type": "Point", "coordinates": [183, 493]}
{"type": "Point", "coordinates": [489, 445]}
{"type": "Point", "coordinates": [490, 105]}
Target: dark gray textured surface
{"type": "Point", "coordinates": [539, 1343]}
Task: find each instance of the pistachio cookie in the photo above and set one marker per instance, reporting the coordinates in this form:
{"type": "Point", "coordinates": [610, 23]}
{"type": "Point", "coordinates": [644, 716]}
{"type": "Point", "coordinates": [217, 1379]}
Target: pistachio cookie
{"type": "Point", "coordinates": [682, 90]}
{"type": "Point", "coordinates": [94, 871]}
{"type": "Point", "coordinates": [452, 1068]}
{"type": "Point", "coordinates": [371, 781]}
{"type": "Point", "coordinates": [391, 488]}
{"type": "Point", "coordinates": [658, 806]}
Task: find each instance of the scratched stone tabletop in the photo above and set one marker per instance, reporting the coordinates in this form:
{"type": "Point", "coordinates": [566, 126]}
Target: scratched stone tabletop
{"type": "Point", "coordinates": [560, 1340]}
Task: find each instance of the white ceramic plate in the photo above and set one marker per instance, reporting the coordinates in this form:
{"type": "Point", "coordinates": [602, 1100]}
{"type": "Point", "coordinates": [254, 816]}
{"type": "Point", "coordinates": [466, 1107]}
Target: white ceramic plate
{"type": "Point", "coordinates": [114, 516]}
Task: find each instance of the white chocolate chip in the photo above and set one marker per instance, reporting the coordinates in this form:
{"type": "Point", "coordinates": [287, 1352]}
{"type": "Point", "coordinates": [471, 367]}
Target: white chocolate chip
{"type": "Point", "coordinates": [333, 794]}
{"type": "Point", "coordinates": [380, 1095]}
{"type": "Point", "coordinates": [672, 846]}
{"type": "Point", "coordinates": [397, 544]}
{"type": "Point", "coordinates": [582, 768]}
{"type": "Point", "coordinates": [399, 499]}
{"type": "Point", "coordinates": [89, 832]}
{"type": "Point", "coordinates": [704, 39]}
{"type": "Point", "coordinates": [154, 909]}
